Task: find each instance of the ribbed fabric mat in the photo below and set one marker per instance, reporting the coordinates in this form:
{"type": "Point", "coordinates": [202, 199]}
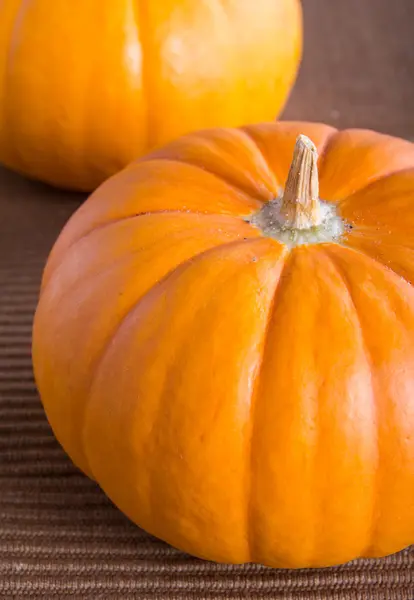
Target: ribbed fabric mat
{"type": "Point", "coordinates": [59, 535]}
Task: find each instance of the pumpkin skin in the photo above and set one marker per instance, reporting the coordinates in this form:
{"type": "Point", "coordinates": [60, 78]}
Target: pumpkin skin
{"type": "Point", "coordinates": [85, 90]}
{"type": "Point", "coordinates": [241, 400]}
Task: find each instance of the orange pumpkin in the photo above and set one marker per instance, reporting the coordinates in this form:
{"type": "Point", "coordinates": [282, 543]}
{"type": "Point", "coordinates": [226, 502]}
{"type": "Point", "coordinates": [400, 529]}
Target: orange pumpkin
{"type": "Point", "coordinates": [234, 363]}
{"type": "Point", "coordinates": [86, 87]}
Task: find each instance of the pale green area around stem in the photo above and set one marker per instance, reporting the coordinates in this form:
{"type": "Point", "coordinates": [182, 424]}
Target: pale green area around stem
{"type": "Point", "coordinates": [270, 220]}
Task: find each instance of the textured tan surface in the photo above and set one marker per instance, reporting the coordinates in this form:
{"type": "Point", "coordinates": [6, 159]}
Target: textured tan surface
{"type": "Point", "coordinates": [59, 536]}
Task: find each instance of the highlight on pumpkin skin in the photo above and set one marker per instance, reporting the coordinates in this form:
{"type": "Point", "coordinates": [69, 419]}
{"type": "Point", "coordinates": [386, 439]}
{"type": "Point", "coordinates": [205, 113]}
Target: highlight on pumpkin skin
{"type": "Point", "coordinates": [133, 51]}
{"type": "Point", "coordinates": [300, 217]}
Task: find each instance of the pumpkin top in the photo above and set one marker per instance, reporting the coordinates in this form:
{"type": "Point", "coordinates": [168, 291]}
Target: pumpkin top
{"type": "Point", "coordinates": [298, 216]}
{"type": "Point", "coordinates": [238, 175]}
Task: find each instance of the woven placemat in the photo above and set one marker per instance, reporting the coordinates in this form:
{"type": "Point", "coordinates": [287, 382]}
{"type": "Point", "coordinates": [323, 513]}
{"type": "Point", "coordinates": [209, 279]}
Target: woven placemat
{"type": "Point", "coordinates": [59, 535]}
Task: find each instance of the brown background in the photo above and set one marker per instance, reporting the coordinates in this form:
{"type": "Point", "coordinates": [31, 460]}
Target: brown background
{"type": "Point", "coordinates": [59, 536]}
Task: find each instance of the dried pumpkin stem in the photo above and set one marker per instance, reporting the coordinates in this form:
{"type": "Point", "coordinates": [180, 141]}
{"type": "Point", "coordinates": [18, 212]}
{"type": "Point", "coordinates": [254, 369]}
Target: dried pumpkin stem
{"type": "Point", "coordinates": [300, 203]}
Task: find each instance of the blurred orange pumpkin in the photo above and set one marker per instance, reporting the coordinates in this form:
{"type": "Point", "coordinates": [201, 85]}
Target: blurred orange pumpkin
{"type": "Point", "coordinates": [86, 87]}
{"type": "Point", "coordinates": [234, 363]}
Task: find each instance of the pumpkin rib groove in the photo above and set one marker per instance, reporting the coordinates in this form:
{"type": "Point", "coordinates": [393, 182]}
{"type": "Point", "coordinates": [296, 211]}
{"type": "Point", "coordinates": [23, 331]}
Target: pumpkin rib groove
{"type": "Point", "coordinates": [111, 222]}
{"type": "Point", "coordinates": [141, 24]}
{"type": "Point", "coordinates": [248, 134]}
{"type": "Point", "coordinates": [91, 231]}
{"type": "Point", "coordinates": [245, 130]}
{"type": "Point", "coordinates": [258, 149]}
{"type": "Point", "coordinates": [371, 231]}
{"type": "Point", "coordinates": [324, 151]}
{"type": "Point", "coordinates": [373, 182]}
{"type": "Point", "coordinates": [342, 274]}
{"type": "Point", "coordinates": [152, 158]}
{"type": "Point", "coordinates": [381, 262]}
{"type": "Point", "coordinates": [112, 335]}
{"type": "Point", "coordinates": [169, 374]}
{"type": "Point", "coordinates": [399, 284]}
{"type": "Point", "coordinates": [120, 259]}
{"type": "Point", "coordinates": [90, 279]}
{"type": "Point", "coordinates": [285, 260]}
{"type": "Point", "coordinates": [375, 260]}
{"type": "Point", "coordinates": [227, 181]}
